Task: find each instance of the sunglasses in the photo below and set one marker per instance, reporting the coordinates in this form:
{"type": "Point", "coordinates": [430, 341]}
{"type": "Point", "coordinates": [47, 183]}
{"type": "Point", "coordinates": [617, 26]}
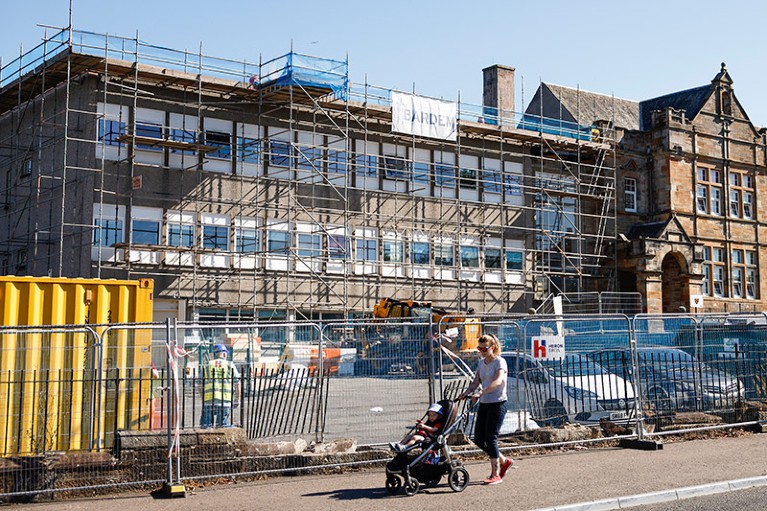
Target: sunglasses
{"type": "Point", "coordinates": [483, 348]}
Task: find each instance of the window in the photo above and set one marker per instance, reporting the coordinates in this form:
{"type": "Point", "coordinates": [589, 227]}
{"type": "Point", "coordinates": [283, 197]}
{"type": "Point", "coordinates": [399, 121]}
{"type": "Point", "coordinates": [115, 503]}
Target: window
{"type": "Point", "coordinates": [368, 163]}
{"type": "Point", "coordinates": [246, 240]}
{"type": "Point", "coordinates": [492, 258]}
{"type": "Point", "coordinates": [393, 251]}
{"type": "Point", "coordinates": [110, 131]}
{"type": "Point", "coordinates": [741, 195]}
{"type": "Point", "coordinates": [337, 161]}
{"type": "Point", "coordinates": [707, 280]}
{"type": "Point", "coordinates": [491, 175]}
{"type": "Point", "coordinates": [309, 158]}
{"type": "Point", "coordinates": [702, 198]}
{"type": "Point", "coordinates": [713, 271]}
{"type": "Point", "coordinates": [421, 172]}
{"type": "Point", "coordinates": [514, 260]}
{"type": "Point", "coordinates": [630, 195]}
{"type": "Point", "coordinates": [512, 184]}
{"type": "Point", "coordinates": [147, 130]}
{"type": "Point", "coordinates": [469, 256]}
{"type": "Point", "coordinates": [420, 253]}
{"type": "Point", "coordinates": [748, 205]}
{"type": "Point", "coordinates": [367, 249]}
{"type": "Point", "coordinates": [279, 153]}
{"type": "Point", "coordinates": [708, 192]}
{"type": "Point", "coordinates": [107, 232]}
{"type": "Point", "coordinates": [185, 137]}
{"type": "Point", "coordinates": [222, 143]}
{"type": "Point", "coordinates": [395, 167]}
{"type": "Point", "coordinates": [215, 237]}
{"type": "Point", "coordinates": [180, 235]}
{"type": "Point", "coordinates": [444, 254]}
{"type": "Point", "coordinates": [277, 242]}
{"type": "Point", "coordinates": [145, 232]}
{"type": "Point", "coordinates": [339, 247]}
{"type": "Point", "coordinates": [716, 201]}
{"type": "Point", "coordinates": [26, 168]}
{"type": "Point", "coordinates": [309, 245]}
{"type": "Point", "coordinates": [248, 150]}
{"type": "Point", "coordinates": [744, 270]}
{"type": "Point", "coordinates": [735, 203]}
{"type": "Point", "coordinates": [444, 174]}
{"type": "Point", "coordinates": [467, 178]}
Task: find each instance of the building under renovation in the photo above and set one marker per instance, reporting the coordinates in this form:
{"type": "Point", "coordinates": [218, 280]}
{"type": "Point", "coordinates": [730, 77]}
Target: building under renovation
{"type": "Point", "coordinates": [280, 189]}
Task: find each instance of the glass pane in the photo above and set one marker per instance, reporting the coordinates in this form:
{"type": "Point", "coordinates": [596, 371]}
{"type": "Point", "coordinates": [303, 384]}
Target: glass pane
{"type": "Point", "coordinates": [146, 232]}
{"type": "Point", "coordinates": [470, 257]}
{"type": "Point", "coordinates": [514, 260]}
{"type": "Point", "coordinates": [421, 253]}
{"type": "Point", "coordinates": [493, 258]}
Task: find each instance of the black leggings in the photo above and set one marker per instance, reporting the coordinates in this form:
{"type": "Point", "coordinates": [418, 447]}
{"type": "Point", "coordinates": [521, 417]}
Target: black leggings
{"type": "Point", "coordinates": [488, 423]}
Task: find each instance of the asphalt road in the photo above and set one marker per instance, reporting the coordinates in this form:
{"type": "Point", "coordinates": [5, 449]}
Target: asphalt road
{"type": "Point", "coordinates": [538, 482]}
{"type": "Point", "coordinates": [752, 499]}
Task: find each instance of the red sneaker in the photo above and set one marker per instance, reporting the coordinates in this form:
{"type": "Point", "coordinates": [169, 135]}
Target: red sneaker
{"type": "Point", "coordinates": [505, 466]}
{"type": "Point", "coordinates": [493, 480]}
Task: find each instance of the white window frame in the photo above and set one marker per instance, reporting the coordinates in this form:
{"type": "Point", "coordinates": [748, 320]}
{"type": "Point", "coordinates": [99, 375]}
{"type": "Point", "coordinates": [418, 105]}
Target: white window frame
{"type": "Point", "coordinates": [630, 195]}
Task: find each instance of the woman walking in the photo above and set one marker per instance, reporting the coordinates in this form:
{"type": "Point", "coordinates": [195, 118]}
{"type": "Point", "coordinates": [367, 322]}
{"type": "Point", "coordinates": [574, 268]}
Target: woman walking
{"type": "Point", "coordinates": [489, 386]}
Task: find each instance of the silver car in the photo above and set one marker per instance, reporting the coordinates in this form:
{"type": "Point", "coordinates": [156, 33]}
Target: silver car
{"type": "Point", "coordinates": [573, 389]}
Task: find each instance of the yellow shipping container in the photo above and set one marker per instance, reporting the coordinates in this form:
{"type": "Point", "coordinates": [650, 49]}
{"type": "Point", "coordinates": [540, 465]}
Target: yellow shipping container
{"type": "Point", "coordinates": [60, 389]}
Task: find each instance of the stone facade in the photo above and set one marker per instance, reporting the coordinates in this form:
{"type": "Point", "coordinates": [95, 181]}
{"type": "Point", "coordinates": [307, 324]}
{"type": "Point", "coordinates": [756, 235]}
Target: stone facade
{"type": "Point", "coordinates": [704, 168]}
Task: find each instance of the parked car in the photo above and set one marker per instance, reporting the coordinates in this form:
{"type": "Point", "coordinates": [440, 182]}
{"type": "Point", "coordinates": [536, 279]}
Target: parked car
{"type": "Point", "coordinates": [672, 380]}
{"type": "Point", "coordinates": [574, 389]}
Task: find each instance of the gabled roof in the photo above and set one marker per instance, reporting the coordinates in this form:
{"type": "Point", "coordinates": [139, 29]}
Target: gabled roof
{"type": "Point", "coordinates": [586, 107]}
{"type": "Point", "coordinates": [657, 230]}
{"type": "Point", "coordinates": [651, 230]}
{"type": "Point", "coordinates": [690, 100]}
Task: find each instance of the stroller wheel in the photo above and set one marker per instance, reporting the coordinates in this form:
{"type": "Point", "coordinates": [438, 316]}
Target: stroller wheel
{"type": "Point", "coordinates": [411, 486]}
{"type": "Point", "coordinates": [458, 479]}
{"type": "Point", "coordinates": [393, 484]}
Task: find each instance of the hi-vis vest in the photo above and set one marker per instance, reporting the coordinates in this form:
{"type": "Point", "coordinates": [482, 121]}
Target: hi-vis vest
{"type": "Point", "coordinates": [218, 381]}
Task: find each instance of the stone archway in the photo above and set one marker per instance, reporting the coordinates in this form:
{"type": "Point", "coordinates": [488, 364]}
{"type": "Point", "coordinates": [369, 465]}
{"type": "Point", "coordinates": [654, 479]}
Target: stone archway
{"type": "Point", "coordinates": [675, 282]}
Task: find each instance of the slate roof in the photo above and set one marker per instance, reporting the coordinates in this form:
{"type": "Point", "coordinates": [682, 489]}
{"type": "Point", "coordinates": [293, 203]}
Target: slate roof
{"type": "Point", "coordinates": [690, 100]}
{"type": "Point", "coordinates": [589, 107]}
{"type": "Point", "coordinates": [651, 230]}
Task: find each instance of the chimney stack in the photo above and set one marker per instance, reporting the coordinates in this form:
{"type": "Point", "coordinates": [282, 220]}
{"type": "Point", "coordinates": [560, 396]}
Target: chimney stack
{"type": "Point", "coordinates": [498, 89]}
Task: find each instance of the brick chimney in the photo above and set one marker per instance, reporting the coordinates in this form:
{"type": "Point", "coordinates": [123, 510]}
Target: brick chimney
{"type": "Point", "coordinates": [498, 88]}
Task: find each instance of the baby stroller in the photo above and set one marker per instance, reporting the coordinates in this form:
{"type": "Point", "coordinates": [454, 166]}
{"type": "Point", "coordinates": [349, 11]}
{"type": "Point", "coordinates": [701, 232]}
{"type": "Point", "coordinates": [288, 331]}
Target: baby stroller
{"type": "Point", "coordinates": [426, 462]}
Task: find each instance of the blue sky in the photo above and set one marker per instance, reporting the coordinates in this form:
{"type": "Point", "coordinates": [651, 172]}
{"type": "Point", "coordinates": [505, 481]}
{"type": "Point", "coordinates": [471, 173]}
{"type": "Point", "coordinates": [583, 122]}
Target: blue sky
{"type": "Point", "coordinates": [634, 50]}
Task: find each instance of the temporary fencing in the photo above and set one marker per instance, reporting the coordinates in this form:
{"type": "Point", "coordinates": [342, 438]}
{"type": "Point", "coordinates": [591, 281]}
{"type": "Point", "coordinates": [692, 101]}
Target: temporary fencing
{"type": "Point", "coordinates": [111, 405]}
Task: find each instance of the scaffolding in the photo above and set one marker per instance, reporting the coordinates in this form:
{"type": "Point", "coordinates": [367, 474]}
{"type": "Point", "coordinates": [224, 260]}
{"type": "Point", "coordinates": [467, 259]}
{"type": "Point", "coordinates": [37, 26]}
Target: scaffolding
{"type": "Point", "coordinates": [279, 187]}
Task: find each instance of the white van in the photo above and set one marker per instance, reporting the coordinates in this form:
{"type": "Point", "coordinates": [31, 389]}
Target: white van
{"type": "Point", "coordinates": [574, 389]}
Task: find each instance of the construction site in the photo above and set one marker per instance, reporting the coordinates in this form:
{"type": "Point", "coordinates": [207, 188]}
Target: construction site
{"type": "Point", "coordinates": [281, 190]}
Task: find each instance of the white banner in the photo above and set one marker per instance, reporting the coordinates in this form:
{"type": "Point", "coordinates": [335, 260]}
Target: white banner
{"type": "Point", "coordinates": [416, 115]}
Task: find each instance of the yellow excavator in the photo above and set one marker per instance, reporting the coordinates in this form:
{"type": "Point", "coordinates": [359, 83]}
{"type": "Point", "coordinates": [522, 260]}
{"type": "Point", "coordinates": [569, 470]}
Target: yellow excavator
{"type": "Point", "coordinates": [407, 347]}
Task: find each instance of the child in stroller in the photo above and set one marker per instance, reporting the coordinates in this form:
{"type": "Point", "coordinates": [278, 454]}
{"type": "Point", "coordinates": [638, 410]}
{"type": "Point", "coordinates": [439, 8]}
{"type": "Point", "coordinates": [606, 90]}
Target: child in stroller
{"type": "Point", "coordinates": [426, 456]}
{"type": "Point", "coordinates": [424, 430]}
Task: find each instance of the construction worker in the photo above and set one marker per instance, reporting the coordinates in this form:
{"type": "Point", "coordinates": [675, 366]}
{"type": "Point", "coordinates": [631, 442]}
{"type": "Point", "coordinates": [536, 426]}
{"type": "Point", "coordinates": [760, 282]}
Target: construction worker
{"type": "Point", "coordinates": [221, 386]}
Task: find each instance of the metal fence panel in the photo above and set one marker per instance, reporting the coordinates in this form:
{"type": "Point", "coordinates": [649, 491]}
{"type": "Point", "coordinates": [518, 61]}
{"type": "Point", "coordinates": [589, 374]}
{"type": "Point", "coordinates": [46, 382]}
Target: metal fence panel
{"type": "Point", "coordinates": [48, 382]}
{"type": "Point", "coordinates": [564, 372]}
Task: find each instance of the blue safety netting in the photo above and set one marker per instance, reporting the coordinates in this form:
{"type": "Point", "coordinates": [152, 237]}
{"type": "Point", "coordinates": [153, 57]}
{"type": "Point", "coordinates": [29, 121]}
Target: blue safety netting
{"type": "Point", "coordinates": [297, 69]}
{"type": "Point", "coordinates": [555, 127]}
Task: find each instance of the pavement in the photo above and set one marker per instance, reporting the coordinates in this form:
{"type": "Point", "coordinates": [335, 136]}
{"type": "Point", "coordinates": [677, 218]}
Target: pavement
{"type": "Point", "coordinates": [572, 480]}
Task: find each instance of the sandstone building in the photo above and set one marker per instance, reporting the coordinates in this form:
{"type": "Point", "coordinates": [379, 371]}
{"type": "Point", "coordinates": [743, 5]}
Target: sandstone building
{"type": "Point", "coordinates": [690, 167]}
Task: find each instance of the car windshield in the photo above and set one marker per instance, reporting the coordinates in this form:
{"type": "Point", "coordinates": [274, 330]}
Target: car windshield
{"type": "Point", "coordinates": [572, 365]}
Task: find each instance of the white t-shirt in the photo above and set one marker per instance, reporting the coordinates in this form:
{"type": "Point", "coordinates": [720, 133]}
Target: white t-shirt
{"type": "Point", "coordinates": [487, 373]}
